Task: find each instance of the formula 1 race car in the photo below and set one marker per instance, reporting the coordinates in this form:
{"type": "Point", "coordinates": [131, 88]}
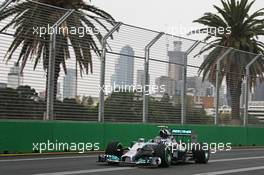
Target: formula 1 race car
{"type": "Point", "coordinates": [170, 147]}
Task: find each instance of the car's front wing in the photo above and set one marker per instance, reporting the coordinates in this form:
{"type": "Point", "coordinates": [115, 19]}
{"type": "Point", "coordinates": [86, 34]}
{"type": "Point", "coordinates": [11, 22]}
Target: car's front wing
{"type": "Point", "coordinates": [147, 161]}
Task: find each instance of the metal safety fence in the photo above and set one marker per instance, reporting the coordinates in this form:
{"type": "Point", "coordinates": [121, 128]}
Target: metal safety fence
{"type": "Point", "coordinates": [59, 64]}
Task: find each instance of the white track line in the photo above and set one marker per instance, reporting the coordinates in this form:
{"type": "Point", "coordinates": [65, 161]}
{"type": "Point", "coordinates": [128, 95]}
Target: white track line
{"type": "Point", "coordinates": [233, 171]}
{"type": "Point", "coordinates": [93, 156]}
{"type": "Point", "coordinates": [130, 168]}
{"type": "Point", "coordinates": [246, 149]}
{"type": "Point", "coordinates": [47, 158]}
{"type": "Point", "coordinates": [89, 171]}
{"type": "Point", "coordinates": [236, 159]}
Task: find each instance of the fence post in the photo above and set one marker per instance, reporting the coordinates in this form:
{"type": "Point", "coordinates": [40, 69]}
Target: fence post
{"type": "Point", "coordinates": [102, 72]}
{"type": "Point", "coordinates": [184, 79]}
{"type": "Point", "coordinates": [5, 4]}
{"type": "Point", "coordinates": [247, 78]}
{"type": "Point", "coordinates": [51, 69]}
{"type": "Point", "coordinates": [146, 77]}
{"type": "Point", "coordinates": [218, 73]}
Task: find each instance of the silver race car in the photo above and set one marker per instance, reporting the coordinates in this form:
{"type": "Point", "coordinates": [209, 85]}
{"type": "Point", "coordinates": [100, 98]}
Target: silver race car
{"type": "Point", "coordinates": [170, 147]}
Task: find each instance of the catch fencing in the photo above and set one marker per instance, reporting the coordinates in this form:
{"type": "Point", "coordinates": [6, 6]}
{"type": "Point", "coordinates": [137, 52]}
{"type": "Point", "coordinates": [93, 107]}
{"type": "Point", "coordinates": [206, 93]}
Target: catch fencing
{"type": "Point", "coordinates": [138, 74]}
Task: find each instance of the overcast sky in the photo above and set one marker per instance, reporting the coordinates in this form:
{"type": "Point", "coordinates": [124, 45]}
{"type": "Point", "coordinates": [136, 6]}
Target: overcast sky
{"type": "Point", "coordinates": [159, 15]}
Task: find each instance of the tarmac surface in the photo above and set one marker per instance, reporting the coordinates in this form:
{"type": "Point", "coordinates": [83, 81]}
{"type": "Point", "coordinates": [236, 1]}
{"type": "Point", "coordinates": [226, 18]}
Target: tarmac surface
{"type": "Point", "coordinates": [235, 162]}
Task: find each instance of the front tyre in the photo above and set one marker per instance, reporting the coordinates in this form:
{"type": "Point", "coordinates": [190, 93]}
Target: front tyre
{"type": "Point", "coordinates": [164, 153]}
{"type": "Point", "coordinates": [114, 149]}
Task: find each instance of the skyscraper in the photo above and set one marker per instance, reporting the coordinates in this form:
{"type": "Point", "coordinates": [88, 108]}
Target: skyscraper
{"type": "Point", "coordinates": [140, 77]}
{"type": "Point", "coordinates": [175, 71]}
{"type": "Point", "coordinates": [124, 67]}
{"type": "Point", "coordinates": [3, 85]}
{"type": "Point", "coordinates": [59, 95]}
{"type": "Point", "coordinates": [69, 84]}
{"type": "Point", "coordinates": [259, 91]}
{"type": "Point", "coordinates": [14, 77]}
{"type": "Point", "coordinates": [202, 88]}
{"type": "Point", "coordinates": [168, 83]}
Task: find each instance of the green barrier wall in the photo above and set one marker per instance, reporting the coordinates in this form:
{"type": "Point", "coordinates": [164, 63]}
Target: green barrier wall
{"type": "Point", "coordinates": [19, 136]}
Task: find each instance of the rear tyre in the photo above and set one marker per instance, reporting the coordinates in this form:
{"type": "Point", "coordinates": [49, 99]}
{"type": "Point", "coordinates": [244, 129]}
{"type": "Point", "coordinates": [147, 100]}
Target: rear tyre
{"type": "Point", "coordinates": [202, 156]}
{"type": "Point", "coordinates": [163, 152]}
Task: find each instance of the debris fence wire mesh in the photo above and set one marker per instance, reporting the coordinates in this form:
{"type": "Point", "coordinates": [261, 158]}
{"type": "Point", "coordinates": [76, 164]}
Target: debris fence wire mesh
{"type": "Point", "coordinates": [23, 93]}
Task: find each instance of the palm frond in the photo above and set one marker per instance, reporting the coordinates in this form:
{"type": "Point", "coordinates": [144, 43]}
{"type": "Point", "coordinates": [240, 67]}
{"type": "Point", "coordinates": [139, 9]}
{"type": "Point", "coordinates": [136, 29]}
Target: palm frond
{"type": "Point", "coordinates": [245, 28]}
{"type": "Point", "coordinates": [26, 14]}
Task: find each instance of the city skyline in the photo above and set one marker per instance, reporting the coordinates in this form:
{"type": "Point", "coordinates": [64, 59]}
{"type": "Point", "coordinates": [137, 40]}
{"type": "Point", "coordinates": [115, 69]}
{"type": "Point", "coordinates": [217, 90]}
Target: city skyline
{"type": "Point", "coordinates": [93, 79]}
{"type": "Point", "coordinates": [124, 67]}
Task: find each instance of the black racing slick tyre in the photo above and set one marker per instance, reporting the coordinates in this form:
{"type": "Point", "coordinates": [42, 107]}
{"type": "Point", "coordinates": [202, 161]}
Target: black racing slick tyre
{"type": "Point", "coordinates": [115, 149]}
{"type": "Point", "coordinates": [164, 153]}
{"type": "Point", "coordinates": [202, 156]}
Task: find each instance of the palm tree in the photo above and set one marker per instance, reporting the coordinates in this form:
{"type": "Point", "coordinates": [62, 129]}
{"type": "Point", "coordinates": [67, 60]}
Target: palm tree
{"type": "Point", "coordinates": [245, 29]}
{"type": "Point", "coordinates": [28, 15]}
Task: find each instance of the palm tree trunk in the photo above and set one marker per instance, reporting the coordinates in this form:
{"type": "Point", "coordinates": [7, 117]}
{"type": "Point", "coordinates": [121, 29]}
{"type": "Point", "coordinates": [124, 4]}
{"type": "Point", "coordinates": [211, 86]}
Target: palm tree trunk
{"type": "Point", "coordinates": [234, 85]}
{"type": "Point", "coordinates": [56, 77]}
{"type": "Point", "coordinates": [58, 61]}
{"type": "Point", "coordinates": [235, 94]}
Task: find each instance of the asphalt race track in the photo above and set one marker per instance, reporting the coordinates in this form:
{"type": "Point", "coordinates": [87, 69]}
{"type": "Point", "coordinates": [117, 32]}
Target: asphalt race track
{"type": "Point", "coordinates": [236, 162]}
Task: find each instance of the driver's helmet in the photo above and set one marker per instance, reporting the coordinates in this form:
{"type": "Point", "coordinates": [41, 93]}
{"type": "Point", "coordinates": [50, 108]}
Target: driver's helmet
{"type": "Point", "coordinates": [141, 140]}
{"type": "Point", "coordinates": [164, 133]}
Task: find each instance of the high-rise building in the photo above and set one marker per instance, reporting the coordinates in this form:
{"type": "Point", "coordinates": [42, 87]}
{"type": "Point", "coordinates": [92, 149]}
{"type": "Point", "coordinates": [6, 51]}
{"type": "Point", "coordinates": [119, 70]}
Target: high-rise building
{"type": "Point", "coordinates": [59, 95]}
{"type": "Point", "coordinates": [69, 84]}
{"type": "Point", "coordinates": [124, 67]}
{"type": "Point", "coordinates": [168, 83]}
{"type": "Point", "coordinates": [223, 101]}
{"type": "Point", "coordinates": [175, 70]}
{"type": "Point", "coordinates": [176, 56]}
{"type": "Point", "coordinates": [259, 92]}
{"type": "Point", "coordinates": [140, 77]}
{"type": "Point", "coordinates": [3, 85]}
{"type": "Point", "coordinates": [197, 87]}
{"type": "Point", "coordinates": [202, 88]}
{"type": "Point", "coordinates": [14, 77]}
